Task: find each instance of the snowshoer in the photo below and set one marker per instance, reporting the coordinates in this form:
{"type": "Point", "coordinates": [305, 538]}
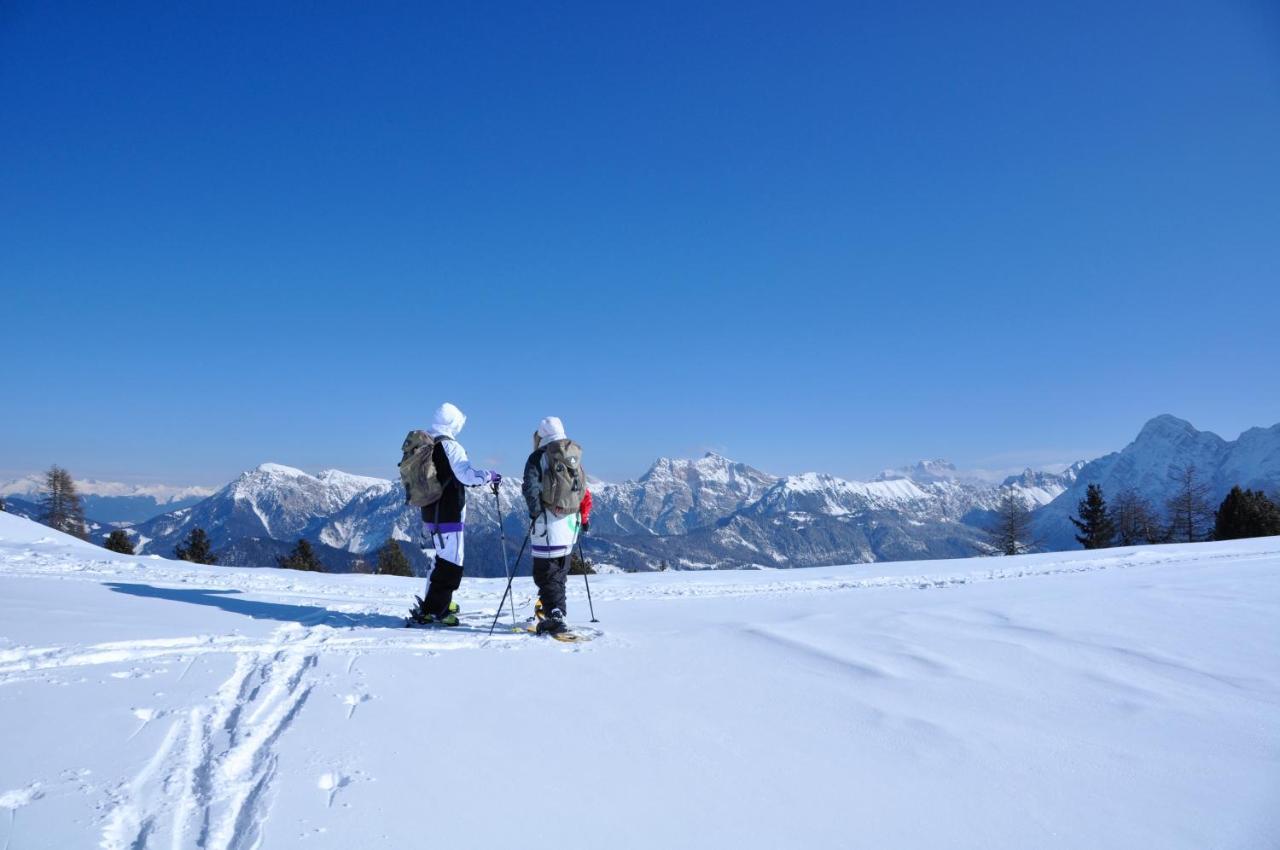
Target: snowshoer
{"type": "Point", "coordinates": [555, 490]}
{"type": "Point", "coordinates": [444, 519]}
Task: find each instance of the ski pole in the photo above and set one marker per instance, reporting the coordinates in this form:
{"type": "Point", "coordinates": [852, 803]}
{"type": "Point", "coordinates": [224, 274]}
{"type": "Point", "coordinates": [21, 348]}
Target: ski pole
{"type": "Point", "coordinates": [503, 601]}
{"type": "Point", "coordinates": [506, 564]}
{"type": "Point", "coordinates": [583, 561]}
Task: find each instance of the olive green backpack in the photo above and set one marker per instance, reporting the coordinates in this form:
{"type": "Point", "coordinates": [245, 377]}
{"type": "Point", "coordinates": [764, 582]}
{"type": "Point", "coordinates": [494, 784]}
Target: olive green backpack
{"type": "Point", "coordinates": [418, 470]}
{"type": "Point", "coordinates": [564, 481]}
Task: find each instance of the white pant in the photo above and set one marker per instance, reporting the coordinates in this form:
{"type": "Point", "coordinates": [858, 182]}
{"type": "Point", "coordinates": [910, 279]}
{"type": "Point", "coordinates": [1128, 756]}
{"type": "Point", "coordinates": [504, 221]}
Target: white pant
{"type": "Point", "coordinates": [447, 544]}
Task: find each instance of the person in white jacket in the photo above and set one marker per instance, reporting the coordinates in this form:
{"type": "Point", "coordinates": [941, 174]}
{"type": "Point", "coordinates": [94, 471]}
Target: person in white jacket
{"type": "Point", "coordinates": [444, 522]}
{"type": "Point", "coordinates": [554, 532]}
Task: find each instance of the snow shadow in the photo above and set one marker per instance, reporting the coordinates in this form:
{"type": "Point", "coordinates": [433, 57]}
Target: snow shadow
{"type": "Point", "coordinates": [231, 602]}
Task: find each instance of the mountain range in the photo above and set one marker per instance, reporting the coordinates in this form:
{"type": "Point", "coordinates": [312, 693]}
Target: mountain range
{"type": "Point", "coordinates": [110, 501]}
{"type": "Point", "coordinates": [711, 512]}
{"type": "Point", "coordinates": [1149, 465]}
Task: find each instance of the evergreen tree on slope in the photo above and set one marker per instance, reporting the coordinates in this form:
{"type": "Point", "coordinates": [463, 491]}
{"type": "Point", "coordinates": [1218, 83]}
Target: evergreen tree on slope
{"type": "Point", "coordinates": [392, 561]}
{"type": "Point", "coordinates": [1246, 513]}
{"type": "Point", "coordinates": [1097, 528]}
{"type": "Point", "coordinates": [118, 541]}
{"type": "Point", "coordinates": [196, 548]}
{"type": "Point", "coordinates": [303, 557]}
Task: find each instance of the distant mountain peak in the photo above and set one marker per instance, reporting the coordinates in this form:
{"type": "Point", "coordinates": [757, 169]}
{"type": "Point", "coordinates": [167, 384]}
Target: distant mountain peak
{"type": "Point", "coordinates": [922, 472]}
{"type": "Point", "coordinates": [711, 462]}
{"type": "Point", "coordinates": [277, 469]}
{"type": "Point", "coordinates": [1149, 465]}
{"type": "Point", "coordinates": [1166, 424]}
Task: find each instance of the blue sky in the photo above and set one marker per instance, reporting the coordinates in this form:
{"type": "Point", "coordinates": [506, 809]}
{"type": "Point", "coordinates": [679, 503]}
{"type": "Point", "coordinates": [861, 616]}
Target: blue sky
{"type": "Point", "coordinates": [809, 236]}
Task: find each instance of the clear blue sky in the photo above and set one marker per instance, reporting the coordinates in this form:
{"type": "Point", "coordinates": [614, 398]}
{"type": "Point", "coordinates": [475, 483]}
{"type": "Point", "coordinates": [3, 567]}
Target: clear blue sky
{"type": "Point", "coordinates": [831, 236]}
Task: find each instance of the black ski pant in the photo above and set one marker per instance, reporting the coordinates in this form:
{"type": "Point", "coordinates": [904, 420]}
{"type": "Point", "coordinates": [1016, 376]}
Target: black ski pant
{"type": "Point", "coordinates": [550, 574]}
{"type": "Point", "coordinates": [445, 579]}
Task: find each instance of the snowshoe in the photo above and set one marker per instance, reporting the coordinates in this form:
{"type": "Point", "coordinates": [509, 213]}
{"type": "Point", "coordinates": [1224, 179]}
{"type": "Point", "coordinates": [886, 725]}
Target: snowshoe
{"type": "Point", "coordinates": [419, 616]}
{"type": "Point", "coordinates": [550, 624]}
{"type": "Point", "coordinates": [564, 634]}
{"type": "Point", "coordinates": [444, 620]}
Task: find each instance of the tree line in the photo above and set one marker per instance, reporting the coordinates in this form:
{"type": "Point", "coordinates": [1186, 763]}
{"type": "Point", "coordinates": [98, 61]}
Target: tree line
{"type": "Point", "coordinates": [1131, 519]}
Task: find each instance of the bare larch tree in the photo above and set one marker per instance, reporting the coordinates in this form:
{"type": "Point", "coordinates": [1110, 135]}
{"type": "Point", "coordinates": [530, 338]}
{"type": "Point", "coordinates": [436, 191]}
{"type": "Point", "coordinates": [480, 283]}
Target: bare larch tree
{"type": "Point", "coordinates": [1190, 513]}
{"type": "Point", "coordinates": [60, 506]}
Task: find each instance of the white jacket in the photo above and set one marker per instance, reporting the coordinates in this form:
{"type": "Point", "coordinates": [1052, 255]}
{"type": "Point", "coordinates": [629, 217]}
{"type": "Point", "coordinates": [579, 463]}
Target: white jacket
{"type": "Point", "coordinates": [447, 422]}
{"type": "Point", "coordinates": [554, 536]}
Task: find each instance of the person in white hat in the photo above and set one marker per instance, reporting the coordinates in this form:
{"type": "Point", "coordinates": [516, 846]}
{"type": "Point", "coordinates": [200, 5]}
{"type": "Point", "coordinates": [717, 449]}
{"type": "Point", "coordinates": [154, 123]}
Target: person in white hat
{"type": "Point", "coordinates": [444, 522]}
{"type": "Point", "coordinates": [555, 490]}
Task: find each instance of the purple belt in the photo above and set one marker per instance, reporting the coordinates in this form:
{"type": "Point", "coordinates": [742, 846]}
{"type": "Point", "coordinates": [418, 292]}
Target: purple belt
{"type": "Point", "coordinates": [444, 527]}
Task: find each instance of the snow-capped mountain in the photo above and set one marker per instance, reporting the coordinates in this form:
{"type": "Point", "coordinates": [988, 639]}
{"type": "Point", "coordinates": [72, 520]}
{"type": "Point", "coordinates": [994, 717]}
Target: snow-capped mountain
{"type": "Point", "coordinates": [112, 501]}
{"type": "Point", "coordinates": [713, 512]}
{"type": "Point", "coordinates": [271, 502]}
{"type": "Point", "coordinates": [1148, 464]}
{"type": "Point", "coordinates": [707, 513]}
{"type": "Point", "coordinates": [379, 513]}
{"type": "Point", "coordinates": [1040, 488]}
{"type": "Point", "coordinates": [677, 495]}
{"type": "Point", "coordinates": [929, 472]}
{"type": "Point", "coordinates": [346, 517]}
{"type": "Point", "coordinates": [926, 510]}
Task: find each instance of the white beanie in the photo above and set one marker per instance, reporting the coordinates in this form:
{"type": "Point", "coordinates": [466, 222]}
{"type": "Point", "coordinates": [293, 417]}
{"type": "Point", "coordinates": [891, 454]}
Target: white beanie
{"type": "Point", "coordinates": [550, 430]}
{"type": "Point", "coordinates": [448, 421]}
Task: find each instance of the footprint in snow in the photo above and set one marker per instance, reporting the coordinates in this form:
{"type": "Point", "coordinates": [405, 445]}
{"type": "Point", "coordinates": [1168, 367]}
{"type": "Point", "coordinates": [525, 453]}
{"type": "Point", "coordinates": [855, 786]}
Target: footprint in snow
{"type": "Point", "coordinates": [19, 797]}
{"type": "Point", "coordinates": [145, 715]}
{"type": "Point", "coordinates": [16, 799]}
{"type": "Point", "coordinates": [353, 700]}
{"type": "Point", "coordinates": [331, 783]}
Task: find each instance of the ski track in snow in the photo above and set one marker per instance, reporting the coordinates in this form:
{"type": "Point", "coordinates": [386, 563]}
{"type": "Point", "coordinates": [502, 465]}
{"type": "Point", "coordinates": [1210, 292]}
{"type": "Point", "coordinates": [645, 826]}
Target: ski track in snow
{"type": "Point", "coordinates": [219, 758]}
{"type": "Point", "coordinates": [211, 776]}
{"type": "Point", "coordinates": [22, 665]}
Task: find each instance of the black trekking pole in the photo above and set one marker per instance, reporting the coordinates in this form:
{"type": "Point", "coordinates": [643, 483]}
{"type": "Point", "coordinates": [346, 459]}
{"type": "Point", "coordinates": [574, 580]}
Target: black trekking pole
{"type": "Point", "coordinates": [503, 601]}
{"type": "Point", "coordinates": [583, 561]}
{"type": "Point", "coordinates": [511, 573]}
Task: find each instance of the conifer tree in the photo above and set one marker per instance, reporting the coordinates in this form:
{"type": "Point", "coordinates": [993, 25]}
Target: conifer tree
{"type": "Point", "coordinates": [1, 504]}
{"type": "Point", "coordinates": [392, 560]}
{"type": "Point", "coordinates": [60, 506]}
{"type": "Point", "coordinates": [1012, 525]}
{"type": "Point", "coordinates": [579, 565]}
{"type": "Point", "coordinates": [118, 541]}
{"type": "Point", "coordinates": [1097, 528]}
{"type": "Point", "coordinates": [196, 548]}
{"type": "Point", "coordinates": [1189, 510]}
{"type": "Point", "coordinates": [303, 557]}
{"type": "Point", "coordinates": [1246, 513]}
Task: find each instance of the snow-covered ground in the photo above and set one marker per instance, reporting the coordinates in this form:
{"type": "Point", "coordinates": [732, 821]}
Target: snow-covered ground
{"type": "Point", "coordinates": [1129, 699]}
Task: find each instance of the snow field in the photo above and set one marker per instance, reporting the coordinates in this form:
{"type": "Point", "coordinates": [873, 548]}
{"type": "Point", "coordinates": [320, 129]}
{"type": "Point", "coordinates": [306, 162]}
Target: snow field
{"type": "Point", "coordinates": [1124, 699]}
